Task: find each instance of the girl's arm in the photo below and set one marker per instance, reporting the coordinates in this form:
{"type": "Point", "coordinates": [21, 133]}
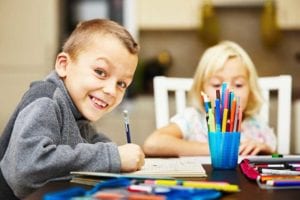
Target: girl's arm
{"type": "Point", "coordinates": [168, 141]}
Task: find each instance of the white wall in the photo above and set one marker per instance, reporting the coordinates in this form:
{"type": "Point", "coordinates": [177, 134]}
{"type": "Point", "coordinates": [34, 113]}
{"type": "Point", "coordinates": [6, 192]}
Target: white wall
{"type": "Point", "coordinates": [28, 45]}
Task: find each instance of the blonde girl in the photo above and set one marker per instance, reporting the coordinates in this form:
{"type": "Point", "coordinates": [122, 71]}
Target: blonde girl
{"type": "Point", "coordinates": [186, 134]}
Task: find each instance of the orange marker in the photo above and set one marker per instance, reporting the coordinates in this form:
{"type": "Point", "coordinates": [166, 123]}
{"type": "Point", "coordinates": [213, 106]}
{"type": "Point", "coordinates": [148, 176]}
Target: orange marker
{"type": "Point", "coordinates": [240, 118]}
{"type": "Point", "coordinates": [232, 113]}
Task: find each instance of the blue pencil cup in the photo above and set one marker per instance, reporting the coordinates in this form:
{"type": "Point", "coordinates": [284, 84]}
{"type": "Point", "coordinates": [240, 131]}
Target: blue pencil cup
{"type": "Point", "coordinates": [224, 149]}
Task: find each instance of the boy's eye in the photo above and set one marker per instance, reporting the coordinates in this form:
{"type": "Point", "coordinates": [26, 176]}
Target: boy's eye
{"type": "Point", "coordinates": [122, 84]}
{"type": "Point", "coordinates": [100, 72]}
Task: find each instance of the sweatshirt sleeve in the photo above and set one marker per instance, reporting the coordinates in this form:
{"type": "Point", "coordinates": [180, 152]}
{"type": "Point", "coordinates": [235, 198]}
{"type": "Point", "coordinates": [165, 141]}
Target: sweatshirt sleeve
{"type": "Point", "coordinates": [89, 132]}
{"type": "Point", "coordinates": [39, 152]}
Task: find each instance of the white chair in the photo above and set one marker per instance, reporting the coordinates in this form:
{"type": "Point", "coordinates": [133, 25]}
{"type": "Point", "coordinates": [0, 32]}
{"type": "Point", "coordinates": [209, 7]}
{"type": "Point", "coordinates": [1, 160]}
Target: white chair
{"type": "Point", "coordinates": [282, 84]}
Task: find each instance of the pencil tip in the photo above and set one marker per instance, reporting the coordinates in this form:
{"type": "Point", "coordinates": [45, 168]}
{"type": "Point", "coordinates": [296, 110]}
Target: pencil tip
{"type": "Point", "coordinates": [125, 113]}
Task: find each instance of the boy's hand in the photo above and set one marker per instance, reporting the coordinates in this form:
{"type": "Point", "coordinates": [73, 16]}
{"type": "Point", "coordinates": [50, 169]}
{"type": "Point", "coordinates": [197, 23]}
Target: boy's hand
{"type": "Point", "coordinates": [252, 147]}
{"type": "Point", "coordinates": [132, 157]}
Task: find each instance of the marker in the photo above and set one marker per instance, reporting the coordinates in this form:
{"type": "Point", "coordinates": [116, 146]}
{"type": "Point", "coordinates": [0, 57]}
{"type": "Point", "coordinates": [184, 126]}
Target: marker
{"type": "Point", "coordinates": [218, 95]}
{"type": "Point", "coordinates": [218, 115]}
{"type": "Point", "coordinates": [114, 195]}
{"type": "Point", "coordinates": [276, 155]}
{"type": "Point", "coordinates": [215, 185]}
{"type": "Point", "coordinates": [290, 182]}
{"type": "Point", "coordinates": [232, 114]}
{"type": "Point", "coordinates": [294, 164]}
{"type": "Point", "coordinates": [140, 188]}
{"type": "Point", "coordinates": [127, 129]}
{"type": "Point", "coordinates": [279, 172]}
{"type": "Point", "coordinates": [226, 100]}
{"type": "Point", "coordinates": [264, 178]}
{"type": "Point", "coordinates": [224, 86]}
{"type": "Point", "coordinates": [224, 122]}
{"type": "Point", "coordinates": [211, 118]}
{"type": "Point", "coordinates": [270, 165]}
{"type": "Point", "coordinates": [240, 118]}
{"type": "Point", "coordinates": [163, 182]}
{"type": "Point", "coordinates": [109, 195]}
{"type": "Point", "coordinates": [235, 125]}
{"type": "Point", "coordinates": [260, 169]}
{"type": "Point", "coordinates": [207, 104]}
{"type": "Point", "coordinates": [223, 89]}
{"type": "Point", "coordinates": [173, 192]}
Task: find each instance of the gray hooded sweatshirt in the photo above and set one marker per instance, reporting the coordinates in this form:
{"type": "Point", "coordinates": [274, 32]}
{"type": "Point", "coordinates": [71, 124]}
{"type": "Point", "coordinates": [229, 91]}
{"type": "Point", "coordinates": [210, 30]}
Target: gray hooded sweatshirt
{"type": "Point", "coordinates": [50, 138]}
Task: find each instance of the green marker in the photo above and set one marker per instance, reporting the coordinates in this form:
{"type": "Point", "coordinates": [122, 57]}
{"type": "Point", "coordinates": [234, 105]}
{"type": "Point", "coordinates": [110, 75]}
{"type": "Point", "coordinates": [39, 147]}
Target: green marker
{"type": "Point", "coordinates": [276, 155]}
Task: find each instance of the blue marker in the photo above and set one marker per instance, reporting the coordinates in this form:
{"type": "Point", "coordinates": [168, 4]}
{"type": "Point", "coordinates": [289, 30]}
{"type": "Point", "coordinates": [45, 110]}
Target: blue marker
{"type": "Point", "coordinates": [283, 182]}
{"type": "Point", "coordinates": [112, 183]}
{"type": "Point", "coordinates": [218, 115]}
{"type": "Point", "coordinates": [224, 86]}
{"type": "Point", "coordinates": [207, 104]}
{"type": "Point", "coordinates": [65, 194]}
{"type": "Point", "coordinates": [222, 100]}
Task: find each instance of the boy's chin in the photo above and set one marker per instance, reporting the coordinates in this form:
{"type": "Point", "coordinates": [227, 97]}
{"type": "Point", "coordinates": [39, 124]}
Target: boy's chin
{"type": "Point", "coordinates": [94, 118]}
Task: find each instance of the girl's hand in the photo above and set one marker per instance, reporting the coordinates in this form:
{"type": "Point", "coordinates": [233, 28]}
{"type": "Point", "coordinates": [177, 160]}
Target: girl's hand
{"type": "Point", "coordinates": [252, 147]}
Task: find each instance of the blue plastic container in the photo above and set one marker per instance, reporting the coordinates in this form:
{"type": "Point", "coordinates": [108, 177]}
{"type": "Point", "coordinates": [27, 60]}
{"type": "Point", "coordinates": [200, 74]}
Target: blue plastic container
{"type": "Point", "coordinates": [224, 149]}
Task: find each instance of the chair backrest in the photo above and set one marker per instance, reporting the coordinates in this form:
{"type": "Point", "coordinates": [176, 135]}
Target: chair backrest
{"type": "Point", "coordinates": [180, 86]}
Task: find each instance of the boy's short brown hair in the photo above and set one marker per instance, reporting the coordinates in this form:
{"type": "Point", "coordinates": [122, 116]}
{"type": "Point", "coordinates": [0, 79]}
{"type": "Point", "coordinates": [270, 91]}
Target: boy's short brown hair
{"type": "Point", "coordinates": [85, 31]}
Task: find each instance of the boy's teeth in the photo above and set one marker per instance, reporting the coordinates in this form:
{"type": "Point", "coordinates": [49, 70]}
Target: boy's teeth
{"type": "Point", "coordinates": [100, 103]}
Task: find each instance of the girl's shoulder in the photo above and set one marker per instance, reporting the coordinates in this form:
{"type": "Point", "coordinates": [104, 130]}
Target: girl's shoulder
{"type": "Point", "coordinates": [189, 113]}
{"type": "Point", "coordinates": [255, 120]}
{"type": "Point", "coordinates": [192, 111]}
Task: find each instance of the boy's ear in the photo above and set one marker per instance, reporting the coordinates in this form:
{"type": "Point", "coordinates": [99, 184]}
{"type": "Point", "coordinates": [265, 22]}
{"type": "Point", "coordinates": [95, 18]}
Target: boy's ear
{"type": "Point", "coordinates": [61, 64]}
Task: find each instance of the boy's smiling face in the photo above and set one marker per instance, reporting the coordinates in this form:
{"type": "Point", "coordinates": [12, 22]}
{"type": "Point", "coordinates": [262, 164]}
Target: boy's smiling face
{"type": "Point", "coordinates": [98, 78]}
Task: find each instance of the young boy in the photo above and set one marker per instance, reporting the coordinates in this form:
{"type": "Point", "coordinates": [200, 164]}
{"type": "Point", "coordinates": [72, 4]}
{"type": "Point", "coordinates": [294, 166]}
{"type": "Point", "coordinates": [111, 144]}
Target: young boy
{"type": "Point", "coordinates": [49, 134]}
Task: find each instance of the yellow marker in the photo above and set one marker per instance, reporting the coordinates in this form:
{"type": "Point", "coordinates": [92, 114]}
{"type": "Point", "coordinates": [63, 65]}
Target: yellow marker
{"type": "Point", "coordinates": [166, 182]}
{"type": "Point", "coordinates": [215, 185]}
{"type": "Point", "coordinates": [211, 118]}
{"type": "Point", "coordinates": [207, 185]}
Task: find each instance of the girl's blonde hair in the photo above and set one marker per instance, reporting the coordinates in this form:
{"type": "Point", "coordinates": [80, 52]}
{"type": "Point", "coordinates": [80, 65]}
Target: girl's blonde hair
{"type": "Point", "coordinates": [213, 60]}
{"type": "Point", "coordinates": [85, 33]}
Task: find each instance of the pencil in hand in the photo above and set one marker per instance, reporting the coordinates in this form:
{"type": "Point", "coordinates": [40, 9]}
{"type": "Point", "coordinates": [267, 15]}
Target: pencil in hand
{"type": "Point", "coordinates": [127, 129]}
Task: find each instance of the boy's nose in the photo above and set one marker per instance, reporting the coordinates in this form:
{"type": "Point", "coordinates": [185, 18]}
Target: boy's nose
{"type": "Point", "coordinates": [110, 88]}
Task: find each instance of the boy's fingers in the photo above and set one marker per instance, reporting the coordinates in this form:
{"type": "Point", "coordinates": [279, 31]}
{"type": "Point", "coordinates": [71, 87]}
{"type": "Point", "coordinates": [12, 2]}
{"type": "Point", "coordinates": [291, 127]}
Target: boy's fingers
{"type": "Point", "coordinates": [142, 162]}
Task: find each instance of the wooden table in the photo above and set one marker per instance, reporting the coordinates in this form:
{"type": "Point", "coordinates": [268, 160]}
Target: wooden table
{"type": "Point", "coordinates": [249, 189]}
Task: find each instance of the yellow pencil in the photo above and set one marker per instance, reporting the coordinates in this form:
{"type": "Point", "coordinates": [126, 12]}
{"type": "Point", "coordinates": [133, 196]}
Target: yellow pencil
{"type": "Point", "coordinates": [224, 120]}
